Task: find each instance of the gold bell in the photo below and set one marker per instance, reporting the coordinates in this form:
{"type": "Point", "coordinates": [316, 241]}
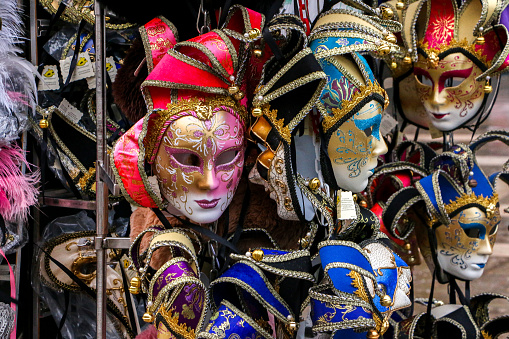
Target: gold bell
{"type": "Point", "coordinates": [43, 123]}
{"type": "Point", "coordinates": [239, 95]}
{"type": "Point", "coordinates": [400, 5]}
{"type": "Point", "coordinates": [257, 255]}
{"type": "Point", "coordinates": [134, 286]}
{"type": "Point", "coordinates": [314, 184]}
{"type": "Point", "coordinates": [385, 327]}
{"type": "Point", "coordinates": [387, 13]}
{"type": "Point", "coordinates": [480, 40]}
{"type": "Point", "coordinates": [258, 53]}
{"type": "Point", "coordinates": [411, 260]}
{"type": "Point", "coordinates": [254, 33]}
{"type": "Point", "coordinates": [372, 334]}
{"type": "Point", "coordinates": [233, 89]}
{"type": "Point", "coordinates": [407, 60]}
{"type": "Point", "coordinates": [394, 65]}
{"type": "Point", "coordinates": [487, 89]}
{"type": "Point", "coordinates": [363, 203]}
{"type": "Point", "coordinates": [391, 38]}
{"type": "Point", "coordinates": [292, 326]}
{"type": "Point", "coordinates": [148, 317]}
{"type": "Point", "coordinates": [257, 112]}
{"type": "Point", "coordinates": [386, 301]}
{"type": "Point", "coordinates": [384, 49]}
{"type": "Point", "coordinates": [408, 246]}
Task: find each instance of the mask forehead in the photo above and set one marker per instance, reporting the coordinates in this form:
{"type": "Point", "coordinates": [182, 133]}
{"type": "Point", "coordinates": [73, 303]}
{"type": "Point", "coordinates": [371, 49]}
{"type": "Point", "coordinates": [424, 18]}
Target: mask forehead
{"type": "Point", "coordinates": [206, 138]}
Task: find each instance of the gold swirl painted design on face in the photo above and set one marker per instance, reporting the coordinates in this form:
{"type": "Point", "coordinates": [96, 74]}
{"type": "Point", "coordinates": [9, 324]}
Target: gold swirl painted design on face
{"type": "Point", "coordinates": [199, 164]}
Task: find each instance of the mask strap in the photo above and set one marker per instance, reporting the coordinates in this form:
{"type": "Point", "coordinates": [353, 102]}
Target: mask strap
{"type": "Point", "coordinates": [427, 333]}
{"type": "Point", "coordinates": [205, 231]}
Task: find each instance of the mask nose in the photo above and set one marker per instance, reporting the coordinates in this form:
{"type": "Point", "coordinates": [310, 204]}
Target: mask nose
{"type": "Point", "coordinates": [438, 98]}
{"type": "Point", "coordinates": [380, 147]}
{"type": "Point", "coordinates": [485, 246]}
{"type": "Point", "coordinates": [208, 180]}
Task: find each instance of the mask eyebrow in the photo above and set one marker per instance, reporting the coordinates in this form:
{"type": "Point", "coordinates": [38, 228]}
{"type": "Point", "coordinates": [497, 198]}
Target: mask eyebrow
{"type": "Point", "coordinates": [480, 227]}
{"type": "Point", "coordinates": [460, 73]}
{"type": "Point", "coordinates": [420, 71]}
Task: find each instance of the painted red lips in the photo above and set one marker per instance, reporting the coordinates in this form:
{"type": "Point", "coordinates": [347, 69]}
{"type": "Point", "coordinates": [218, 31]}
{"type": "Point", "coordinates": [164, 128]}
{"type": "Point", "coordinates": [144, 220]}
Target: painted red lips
{"type": "Point", "coordinates": [207, 203]}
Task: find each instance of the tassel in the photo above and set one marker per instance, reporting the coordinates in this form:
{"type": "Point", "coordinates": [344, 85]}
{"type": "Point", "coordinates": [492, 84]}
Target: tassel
{"type": "Point", "coordinates": [17, 191]}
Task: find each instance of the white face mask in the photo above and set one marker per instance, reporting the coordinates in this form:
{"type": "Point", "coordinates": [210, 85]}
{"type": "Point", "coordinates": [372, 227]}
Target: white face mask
{"type": "Point", "coordinates": [354, 147]}
{"type": "Point", "coordinates": [465, 245]}
{"type": "Point", "coordinates": [448, 91]}
{"type": "Point", "coordinates": [199, 165]}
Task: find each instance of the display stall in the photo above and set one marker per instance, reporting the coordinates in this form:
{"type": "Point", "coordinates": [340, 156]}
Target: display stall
{"type": "Point", "coordinates": [253, 169]}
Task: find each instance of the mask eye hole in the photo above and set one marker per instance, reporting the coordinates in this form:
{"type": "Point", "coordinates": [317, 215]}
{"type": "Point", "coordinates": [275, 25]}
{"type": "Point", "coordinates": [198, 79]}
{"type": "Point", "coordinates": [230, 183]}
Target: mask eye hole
{"type": "Point", "coordinates": [368, 131]}
{"type": "Point", "coordinates": [494, 230]}
{"type": "Point", "coordinates": [473, 232]}
{"type": "Point", "coordinates": [187, 159]}
{"type": "Point", "coordinates": [424, 80]}
{"type": "Point", "coordinates": [453, 82]}
{"type": "Point", "coordinates": [226, 157]}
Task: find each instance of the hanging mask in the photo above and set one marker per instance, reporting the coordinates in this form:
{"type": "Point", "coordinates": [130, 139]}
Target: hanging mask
{"type": "Point", "coordinates": [193, 135]}
{"type": "Point", "coordinates": [448, 64]}
{"type": "Point", "coordinates": [352, 101]}
{"type": "Point", "coordinates": [286, 167]}
{"type": "Point", "coordinates": [463, 213]}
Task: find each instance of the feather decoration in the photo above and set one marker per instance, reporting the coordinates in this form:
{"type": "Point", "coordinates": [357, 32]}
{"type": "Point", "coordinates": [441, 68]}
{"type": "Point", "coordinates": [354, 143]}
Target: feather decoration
{"type": "Point", "coordinates": [17, 191]}
{"type": "Point", "coordinates": [17, 75]}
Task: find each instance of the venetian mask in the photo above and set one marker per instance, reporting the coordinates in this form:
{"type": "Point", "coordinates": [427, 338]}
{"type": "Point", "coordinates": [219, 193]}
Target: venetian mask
{"type": "Point", "coordinates": [354, 147]}
{"type": "Point", "coordinates": [448, 89]}
{"type": "Point", "coordinates": [465, 245]}
{"type": "Point", "coordinates": [199, 164]}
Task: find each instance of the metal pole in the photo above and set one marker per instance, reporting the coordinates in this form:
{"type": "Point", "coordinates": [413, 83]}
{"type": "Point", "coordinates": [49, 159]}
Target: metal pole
{"type": "Point", "coordinates": [35, 160]}
{"type": "Point", "coordinates": [101, 188]}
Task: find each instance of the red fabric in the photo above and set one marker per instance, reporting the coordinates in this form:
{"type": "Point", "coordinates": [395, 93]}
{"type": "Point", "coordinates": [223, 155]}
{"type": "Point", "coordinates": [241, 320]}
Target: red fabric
{"type": "Point", "coordinates": [440, 29]}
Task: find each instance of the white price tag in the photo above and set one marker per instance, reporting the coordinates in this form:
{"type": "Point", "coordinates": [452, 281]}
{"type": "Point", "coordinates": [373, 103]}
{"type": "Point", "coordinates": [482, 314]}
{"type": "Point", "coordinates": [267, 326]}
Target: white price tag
{"type": "Point", "coordinates": [346, 206]}
{"type": "Point", "coordinates": [84, 67]}
{"type": "Point", "coordinates": [388, 123]}
{"type": "Point", "coordinates": [71, 112]}
{"type": "Point", "coordinates": [435, 133]}
{"type": "Point", "coordinates": [91, 82]}
{"type": "Point", "coordinates": [111, 68]}
{"type": "Point", "coordinates": [49, 78]}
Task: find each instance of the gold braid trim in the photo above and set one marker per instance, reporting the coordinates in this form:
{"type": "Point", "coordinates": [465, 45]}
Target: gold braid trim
{"type": "Point", "coordinates": [202, 106]}
{"type": "Point", "coordinates": [490, 204]}
{"type": "Point", "coordinates": [348, 105]}
{"type": "Point", "coordinates": [363, 294]}
{"type": "Point", "coordinates": [454, 44]}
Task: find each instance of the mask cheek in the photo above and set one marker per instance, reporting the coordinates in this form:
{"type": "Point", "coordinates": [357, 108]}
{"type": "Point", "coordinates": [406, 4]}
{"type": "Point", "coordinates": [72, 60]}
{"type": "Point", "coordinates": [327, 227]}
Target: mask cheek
{"type": "Point", "coordinates": [466, 98]}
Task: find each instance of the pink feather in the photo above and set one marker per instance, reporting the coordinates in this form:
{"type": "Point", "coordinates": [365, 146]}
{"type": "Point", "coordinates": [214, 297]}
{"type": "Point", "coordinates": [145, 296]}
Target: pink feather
{"type": "Point", "coordinates": [17, 191]}
{"type": "Point", "coordinates": [149, 333]}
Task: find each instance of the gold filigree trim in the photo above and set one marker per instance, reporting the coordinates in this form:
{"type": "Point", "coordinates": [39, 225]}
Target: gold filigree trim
{"type": "Point", "coordinates": [348, 105]}
{"type": "Point", "coordinates": [278, 124]}
{"type": "Point", "coordinates": [202, 106]}
{"type": "Point", "coordinates": [454, 44]}
{"type": "Point", "coordinates": [490, 204]}
{"type": "Point", "coordinates": [173, 322]}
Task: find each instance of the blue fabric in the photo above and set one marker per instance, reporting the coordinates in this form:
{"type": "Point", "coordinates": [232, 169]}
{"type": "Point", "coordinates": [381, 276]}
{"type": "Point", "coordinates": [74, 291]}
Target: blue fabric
{"type": "Point", "coordinates": [326, 44]}
{"type": "Point", "coordinates": [273, 252]}
{"type": "Point", "coordinates": [350, 334]}
{"type": "Point", "coordinates": [322, 312]}
{"type": "Point", "coordinates": [247, 274]}
{"type": "Point", "coordinates": [229, 323]}
{"type": "Point", "coordinates": [342, 253]}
